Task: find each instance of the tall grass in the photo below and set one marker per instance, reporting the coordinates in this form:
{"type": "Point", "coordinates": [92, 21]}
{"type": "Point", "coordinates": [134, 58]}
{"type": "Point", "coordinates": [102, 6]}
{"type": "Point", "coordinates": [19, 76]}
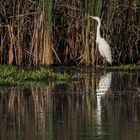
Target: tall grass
{"type": "Point", "coordinates": [125, 27]}
{"type": "Point", "coordinates": [46, 32]}
{"type": "Point", "coordinates": [40, 50]}
{"type": "Point", "coordinates": [85, 30]}
{"type": "Point", "coordinates": [27, 28]}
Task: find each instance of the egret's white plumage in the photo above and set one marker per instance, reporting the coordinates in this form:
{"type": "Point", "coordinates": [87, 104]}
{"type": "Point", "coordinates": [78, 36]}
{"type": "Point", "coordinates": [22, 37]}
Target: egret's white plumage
{"type": "Point", "coordinates": [105, 50]}
{"type": "Point", "coordinates": [103, 46]}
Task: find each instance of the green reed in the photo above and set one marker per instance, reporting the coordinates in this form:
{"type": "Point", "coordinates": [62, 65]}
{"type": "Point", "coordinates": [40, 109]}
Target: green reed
{"type": "Point", "coordinates": [85, 12]}
{"type": "Point", "coordinates": [110, 15]}
{"type": "Point", "coordinates": [48, 30]}
{"type": "Point", "coordinates": [90, 7]}
{"type": "Point", "coordinates": [40, 50]}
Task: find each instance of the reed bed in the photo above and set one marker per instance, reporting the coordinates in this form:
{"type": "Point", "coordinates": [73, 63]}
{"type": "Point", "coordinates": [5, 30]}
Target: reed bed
{"type": "Point", "coordinates": [47, 32]}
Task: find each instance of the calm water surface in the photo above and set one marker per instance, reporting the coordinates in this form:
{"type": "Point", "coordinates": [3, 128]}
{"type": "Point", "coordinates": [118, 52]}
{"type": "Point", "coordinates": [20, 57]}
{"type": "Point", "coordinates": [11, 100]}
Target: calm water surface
{"type": "Point", "coordinates": [102, 105]}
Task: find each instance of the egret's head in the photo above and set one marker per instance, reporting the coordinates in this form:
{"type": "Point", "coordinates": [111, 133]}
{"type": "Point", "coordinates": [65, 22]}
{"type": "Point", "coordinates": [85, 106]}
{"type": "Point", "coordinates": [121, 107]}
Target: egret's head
{"type": "Point", "coordinates": [94, 17]}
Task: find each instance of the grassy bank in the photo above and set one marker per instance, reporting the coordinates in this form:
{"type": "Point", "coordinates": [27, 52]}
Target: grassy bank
{"type": "Point", "coordinates": [13, 76]}
{"type": "Point", "coordinates": [129, 67]}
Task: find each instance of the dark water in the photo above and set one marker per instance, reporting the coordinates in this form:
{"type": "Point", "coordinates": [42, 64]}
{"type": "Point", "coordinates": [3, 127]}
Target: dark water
{"type": "Point", "coordinates": [101, 106]}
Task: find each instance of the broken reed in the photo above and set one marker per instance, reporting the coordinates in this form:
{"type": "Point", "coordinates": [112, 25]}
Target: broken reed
{"type": "Point", "coordinates": [45, 32]}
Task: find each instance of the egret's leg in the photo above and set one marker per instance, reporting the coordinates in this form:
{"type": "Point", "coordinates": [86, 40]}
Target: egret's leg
{"type": "Point", "coordinates": [104, 62]}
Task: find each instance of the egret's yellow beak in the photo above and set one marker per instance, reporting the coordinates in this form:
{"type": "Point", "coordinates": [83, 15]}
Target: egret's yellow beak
{"type": "Point", "coordinates": [91, 17]}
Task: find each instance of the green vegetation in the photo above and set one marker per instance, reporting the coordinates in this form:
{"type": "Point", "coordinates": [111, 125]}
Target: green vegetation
{"type": "Point", "coordinates": [131, 67]}
{"type": "Point", "coordinates": [13, 76]}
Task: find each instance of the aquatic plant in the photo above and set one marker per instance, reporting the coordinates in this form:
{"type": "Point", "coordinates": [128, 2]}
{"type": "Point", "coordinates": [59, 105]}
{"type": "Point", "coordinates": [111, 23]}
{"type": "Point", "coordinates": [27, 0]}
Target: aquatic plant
{"type": "Point", "coordinates": [10, 75]}
{"type": "Point", "coordinates": [130, 67]}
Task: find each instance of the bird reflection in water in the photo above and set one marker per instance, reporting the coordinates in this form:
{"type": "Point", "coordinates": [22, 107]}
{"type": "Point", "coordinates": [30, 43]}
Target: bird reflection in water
{"type": "Point", "coordinates": [103, 87]}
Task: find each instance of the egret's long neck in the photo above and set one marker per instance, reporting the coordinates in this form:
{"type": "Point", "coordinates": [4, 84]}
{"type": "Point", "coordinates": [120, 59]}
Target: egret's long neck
{"type": "Point", "coordinates": [98, 31]}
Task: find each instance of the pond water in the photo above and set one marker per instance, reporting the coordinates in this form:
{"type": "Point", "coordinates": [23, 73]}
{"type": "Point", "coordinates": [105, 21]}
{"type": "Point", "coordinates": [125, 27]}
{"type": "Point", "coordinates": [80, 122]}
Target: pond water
{"type": "Point", "coordinates": [103, 105]}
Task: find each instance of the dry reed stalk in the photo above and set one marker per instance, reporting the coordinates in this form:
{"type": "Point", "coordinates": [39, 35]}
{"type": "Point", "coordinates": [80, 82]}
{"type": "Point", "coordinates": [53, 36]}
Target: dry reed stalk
{"type": "Point", "coordinates": [47, 50]}
{"type": "Point", "coordinates": [1, 47]}
{"type": "Point", "coordinates": [12, 40]}
{"type": "Point", "coordinates": [87, 57]}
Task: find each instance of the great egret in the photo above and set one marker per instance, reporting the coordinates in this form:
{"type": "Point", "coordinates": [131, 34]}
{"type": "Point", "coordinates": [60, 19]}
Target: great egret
{"type": "Point", "coordinates": [103, 46]}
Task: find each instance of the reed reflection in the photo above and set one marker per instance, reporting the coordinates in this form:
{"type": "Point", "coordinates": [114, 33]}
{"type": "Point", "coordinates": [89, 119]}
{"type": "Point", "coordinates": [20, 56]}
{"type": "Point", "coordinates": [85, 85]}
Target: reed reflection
{"type": "Point", "coordinates": [85, 109]}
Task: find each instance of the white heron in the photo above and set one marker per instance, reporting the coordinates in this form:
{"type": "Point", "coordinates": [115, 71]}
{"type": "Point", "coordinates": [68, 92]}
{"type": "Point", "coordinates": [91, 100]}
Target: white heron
{"type": "Point", "coordinates": [103, 46]}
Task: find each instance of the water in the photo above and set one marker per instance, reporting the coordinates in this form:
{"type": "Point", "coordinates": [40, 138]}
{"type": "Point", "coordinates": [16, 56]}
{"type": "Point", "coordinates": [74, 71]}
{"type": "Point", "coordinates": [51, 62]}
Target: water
{"type": "Point", "coordinates": [101, 106]}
